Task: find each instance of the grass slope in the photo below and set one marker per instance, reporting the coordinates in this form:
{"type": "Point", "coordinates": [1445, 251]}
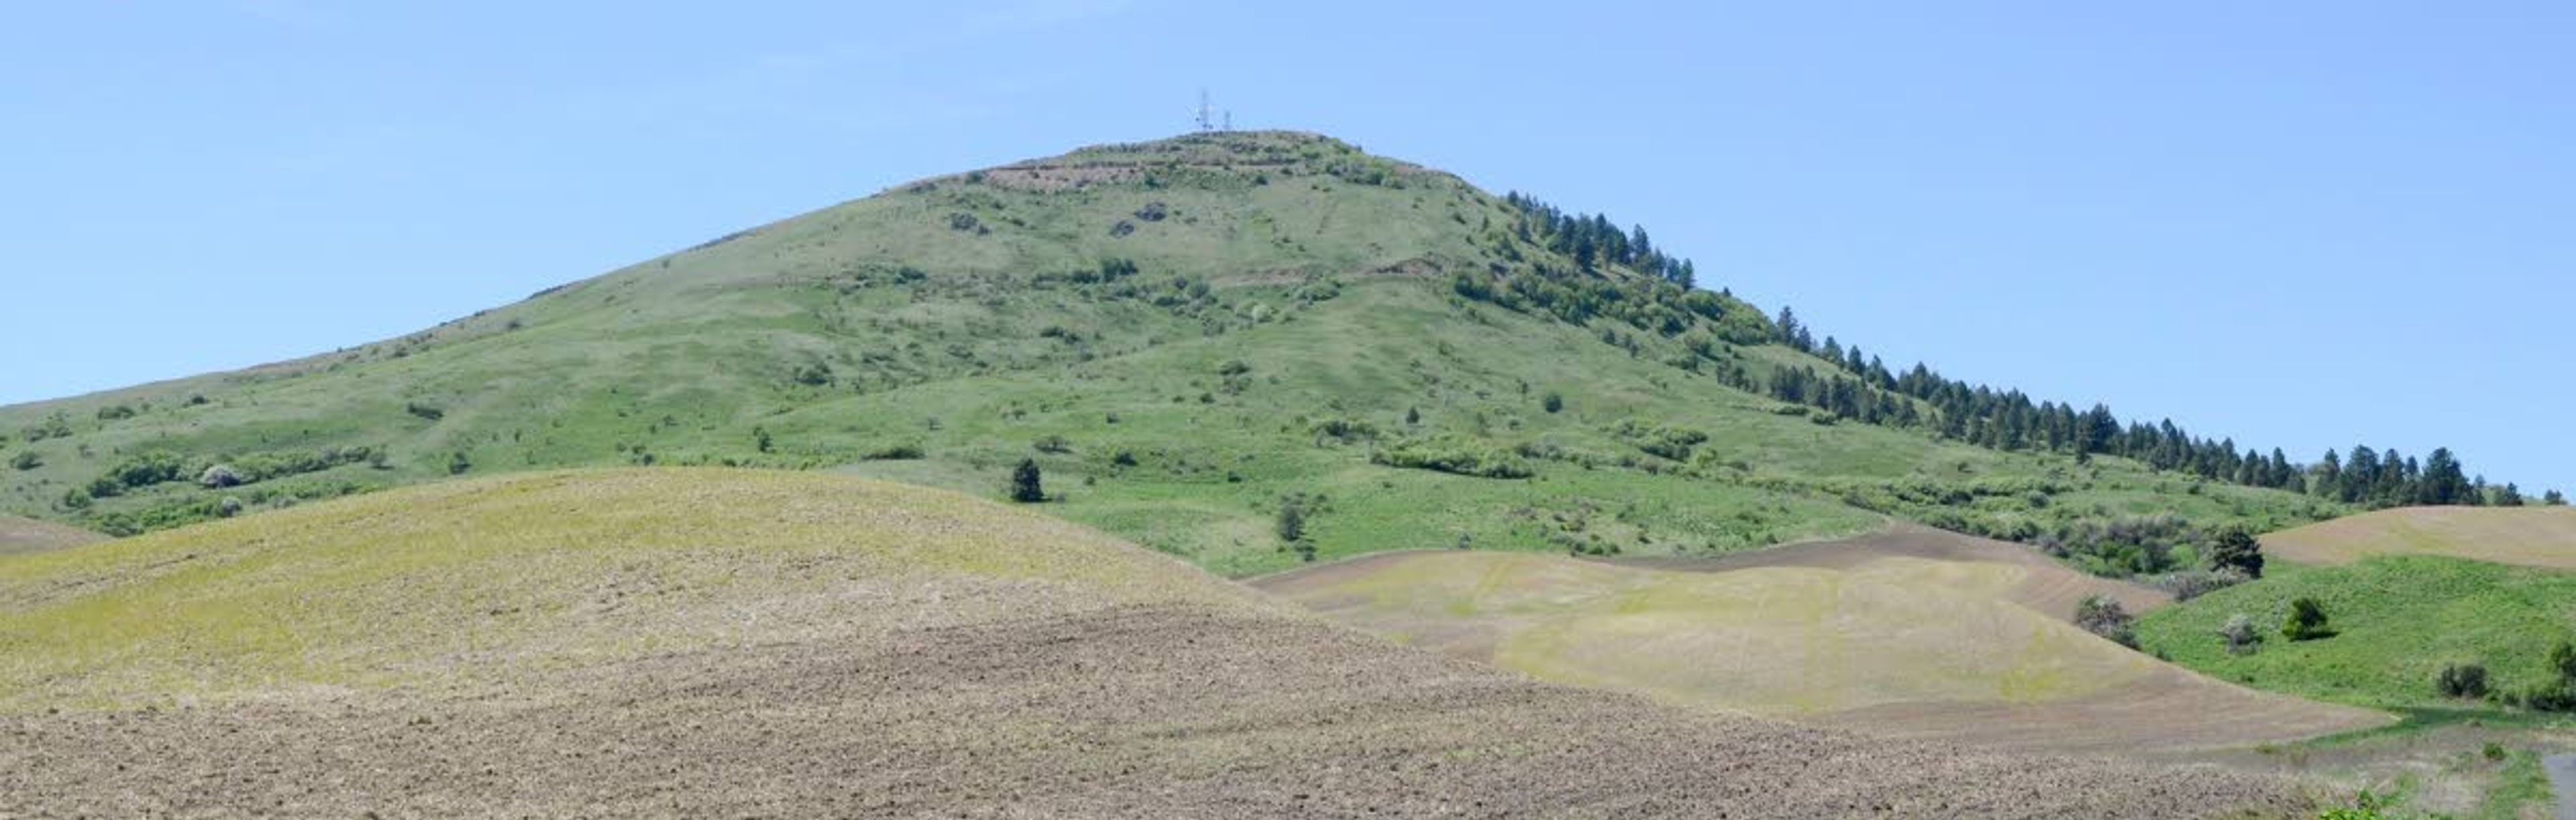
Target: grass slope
{"type": "Point", "coordinates": [2399, 620]}
{"type": "Point", "coordinates": [1291, 311]}
{"type": "Point", "coordinates": [30, 535]}
{"type": "Point", "coordinates": [729, 643]}
{"type": "Point", "coordinates": [2528, 536]}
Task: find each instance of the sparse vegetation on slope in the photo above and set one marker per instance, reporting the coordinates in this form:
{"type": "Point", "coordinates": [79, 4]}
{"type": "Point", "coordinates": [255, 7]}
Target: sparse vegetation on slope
{"type": "Point", "coordinates": [726, 642]}
{"type": "Point", "coordinates": [1194, 328]}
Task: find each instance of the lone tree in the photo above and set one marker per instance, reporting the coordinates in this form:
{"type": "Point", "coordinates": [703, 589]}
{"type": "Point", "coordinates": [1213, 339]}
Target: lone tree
{"type": "Point", "coordinates": [2307, 621]}
{"type": "Point", "coordinates": [1024, 483]}
{"type": "Point", "coordinates": [2240, 634]}
{"type": "Point", "coordinates": [1292, 521]}
{"type": "Point", "coordinates": [2103, 616]}
{"type": "Point", "coordinates": [2237, 551]}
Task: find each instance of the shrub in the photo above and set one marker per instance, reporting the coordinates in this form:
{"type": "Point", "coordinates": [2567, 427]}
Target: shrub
{"type": "Point", "coordinates": [424, 411]}
{"type": "Point", "coordinates": [115, 412]}
{"type": "Point", "coordinates": [146, 470]}
{"type": "Point", "coordinates": [760, 439]}
{"type": "Point", "coordinates": [2105, 617]}
{"type": "Point", "coordinates": [1025, 486]}
{"type": "Point", "coordinates": [2189, 584]}
{"type": "Point", "coordinates": [457, 463]}
{"type": "Point", "coordinates": [228, 507]}
{"type": "Point", "coordinates": [1453, 459]}
{"type": "Point", "coordinates": [1123, 458]}
{"type": "Point", "coordinates": [219, 476]}
{"type": "Point", "coordinates": [26, 460]}
{"type": "Point", "coordinates": [2240, 634]}
{"type": "Point", "coordinates": [1552, 402]}
{"type": "Point", "coordinates": [2307, 621]}
{"type": "Point", "coordinates": [1052, 444]}
{"type": "Point", "coordinates": [2461, 681]}
{"type": "Point", "coordinates": [1291, 524]}
{"type": "Point", "coordinates": [897, 452]}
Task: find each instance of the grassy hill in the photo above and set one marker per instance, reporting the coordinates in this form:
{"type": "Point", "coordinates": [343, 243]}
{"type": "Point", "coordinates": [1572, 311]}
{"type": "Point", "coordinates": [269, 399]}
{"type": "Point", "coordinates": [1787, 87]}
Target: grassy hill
{"type": "Point", "coordinates": [1184, 334]}
{"type": "Point", "coordinates": [730, 642]}
{"type": "Point", "coordinates": [2528, 536]}
{"type": "Point", "coordinates": [2402, 602]}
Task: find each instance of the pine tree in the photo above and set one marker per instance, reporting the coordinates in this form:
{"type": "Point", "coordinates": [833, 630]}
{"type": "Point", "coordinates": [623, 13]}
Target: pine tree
{"type": "Point", "coordinates": [2236, 550]}
{"type": "Point", "coordinates": [1025, 483]}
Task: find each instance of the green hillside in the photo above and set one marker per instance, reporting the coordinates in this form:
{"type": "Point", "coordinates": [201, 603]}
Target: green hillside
{"type": "Point", "coordinates": [2398, 620]}
{"type": "Point", "coordinates": [1185, 335]}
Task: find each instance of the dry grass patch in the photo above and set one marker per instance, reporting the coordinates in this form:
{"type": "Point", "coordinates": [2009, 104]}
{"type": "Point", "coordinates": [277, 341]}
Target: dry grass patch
{"type": "Point", "coordinates": [2527, 536]}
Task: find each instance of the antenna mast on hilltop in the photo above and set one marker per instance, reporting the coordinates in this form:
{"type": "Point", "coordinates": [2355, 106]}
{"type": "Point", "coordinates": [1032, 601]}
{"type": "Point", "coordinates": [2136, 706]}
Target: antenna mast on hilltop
{"type": "Point", "coordinates": [1209, 117]}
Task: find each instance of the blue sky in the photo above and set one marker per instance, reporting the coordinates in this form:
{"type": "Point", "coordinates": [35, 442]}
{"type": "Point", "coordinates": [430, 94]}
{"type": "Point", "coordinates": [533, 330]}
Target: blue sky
{"type": "Point", "coordinates": [2301, 224]}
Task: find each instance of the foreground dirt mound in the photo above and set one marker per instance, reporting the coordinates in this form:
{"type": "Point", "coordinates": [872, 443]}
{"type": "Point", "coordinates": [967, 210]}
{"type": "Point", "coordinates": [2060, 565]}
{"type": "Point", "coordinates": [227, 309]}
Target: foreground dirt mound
{"type": "Point", "coordinates": [1127, 712]}
{"type": "Point", "coordinates": [920, 676]}
{"type": "Point", "coordinates": [2529, 536]}
{"type": "Point", "coordinates": [19, 535]}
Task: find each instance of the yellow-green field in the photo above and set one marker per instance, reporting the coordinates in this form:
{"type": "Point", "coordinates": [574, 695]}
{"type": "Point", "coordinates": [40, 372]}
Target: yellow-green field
{"type": "Point", "coordinates": [2527, 536]}
{"type": "Point", "coordinates": [1930, 647]}
{"type": "Point", "coordinates": [492, 578]}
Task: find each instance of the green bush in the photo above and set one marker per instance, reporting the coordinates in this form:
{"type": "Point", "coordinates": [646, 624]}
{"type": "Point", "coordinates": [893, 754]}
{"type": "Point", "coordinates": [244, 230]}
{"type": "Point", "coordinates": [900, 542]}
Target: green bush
{"type": "Point", "coordinates": [1456, 459]}
{"type": "Point", "coordinates": [2461, 681]}
{"type": "Point", "coordinates": [2307, 621]}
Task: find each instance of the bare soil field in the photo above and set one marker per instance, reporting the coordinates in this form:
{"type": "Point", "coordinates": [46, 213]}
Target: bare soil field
{"type": "Point", "coordinates": [951, 670]}
{"type": "Point", "coordinates": [1890, 643]}
{"type": "Point", "coordinates": [19, 535]}
{"type": "Point", "coordinates": [2047, 586]}
{"type": "Point", "coordinates": [2529, 536]}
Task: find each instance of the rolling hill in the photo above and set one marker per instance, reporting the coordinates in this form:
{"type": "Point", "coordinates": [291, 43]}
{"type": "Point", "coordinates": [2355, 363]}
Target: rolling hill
{"type": "Point", "coordinates": [2528, 536]}
{"type": "Point", "coordinates": [2408, 591]}
{"type": "Point", "coordinates": [707, 641]}
{"type": "Point", "coordinates": [1915, 633]}
{"type": "Point", "coordinates": [1186, 335]}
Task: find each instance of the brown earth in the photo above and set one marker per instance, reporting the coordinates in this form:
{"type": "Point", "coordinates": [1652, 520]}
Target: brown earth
{"type": "Point", "coordinates": [2529, 536]}
{"type": "Point", "coordinates": [2048, 586]}
{"type": "Point", "coordinates": [913, 677]}
{"type": "Point", "coordinates": [1125, 712]}
{"type": "Point", "coordinates": [18, 535]}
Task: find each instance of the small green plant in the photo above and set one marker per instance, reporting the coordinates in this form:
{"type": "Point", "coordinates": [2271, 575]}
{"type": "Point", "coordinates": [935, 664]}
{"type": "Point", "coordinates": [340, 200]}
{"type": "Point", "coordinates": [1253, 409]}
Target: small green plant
{"type": "Point", "coordinates": [2461, 681]}
{"type": "Point", "coordinates": [2364, 806]}
{"type": "Point", "coordinates": [2307, 621]}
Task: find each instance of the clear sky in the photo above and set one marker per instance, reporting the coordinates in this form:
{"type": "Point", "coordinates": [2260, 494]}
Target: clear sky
{"type": "Point", "coordinates": [2302, 224]}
